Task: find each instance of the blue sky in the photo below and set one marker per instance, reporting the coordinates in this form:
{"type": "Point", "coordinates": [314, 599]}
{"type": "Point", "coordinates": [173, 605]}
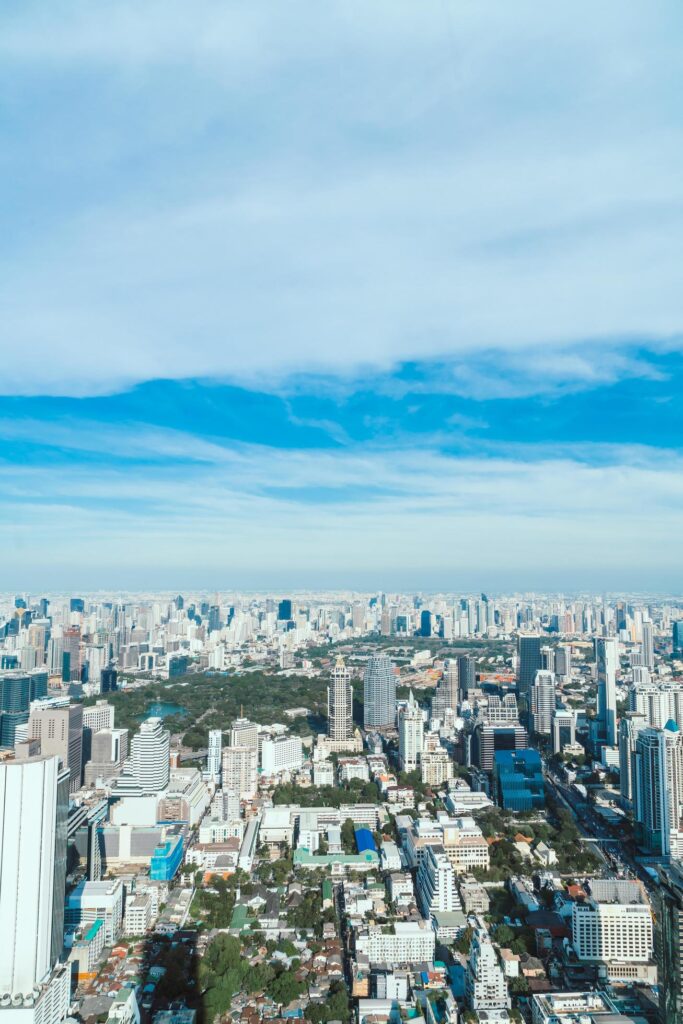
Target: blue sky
{"type": "Point", "coordinates": [341, 295]}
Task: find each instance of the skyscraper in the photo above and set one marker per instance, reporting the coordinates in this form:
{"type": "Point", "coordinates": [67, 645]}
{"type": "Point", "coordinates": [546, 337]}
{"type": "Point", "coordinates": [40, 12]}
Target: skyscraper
{"type": "Point", "coordinates": [669, 943]}
{"type": "Point", "coordinates": [648, 645]}
{"type": "Point", "coordinates": [149, 761]}
{"type": "Point", "coordinates": [529, 663]}
{"type": "Point", "coordinates": [284, 610]}
{"type": "Point", "coordinates": [340, 703]}
{"type": "Point", "coordinates": [33, 812]}
{"type": "Point", "coordinates": [379, 693]}
{"type": "Point", "coordinates": [629, 728]}
{"type": "Point", "coordinates": [542, 702]}
{"type": "Point", "coordinates": [658, 790]}
{"type": "Point", "coordinates": [425, 623]}
{"type": "Point", "coordinates": [60, 731]}
{"type": "Point", "coordinates": [213, 757]}
{"type": "Point", "coordinates": [607, 658]}
{"type": "Point", "coordinates": [447, 693]}
{"type": "Point", "coordinates": [678, 636]}
{"type": "Point", "coordinates": [467, 676]}
{"type": "Point", "coordinates": [15, 697]}
{"type": "Point", "coordinates": [410, 734]}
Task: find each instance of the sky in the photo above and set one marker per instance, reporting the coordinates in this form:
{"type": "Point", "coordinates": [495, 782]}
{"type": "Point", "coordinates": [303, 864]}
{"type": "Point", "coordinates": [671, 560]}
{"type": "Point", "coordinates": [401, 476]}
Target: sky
{"type": "Point", "coordinates": [341, 295]}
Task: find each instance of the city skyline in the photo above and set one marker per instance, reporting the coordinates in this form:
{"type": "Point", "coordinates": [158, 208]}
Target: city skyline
{"type": "Point", "coordinates": [270, 317]}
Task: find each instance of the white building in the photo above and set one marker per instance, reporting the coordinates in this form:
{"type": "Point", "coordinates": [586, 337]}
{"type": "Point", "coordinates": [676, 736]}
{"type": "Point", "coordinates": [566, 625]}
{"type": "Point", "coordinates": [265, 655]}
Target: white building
{"type": "Point", "coordinates": [436, 767]}
{"type": "Point", "coordinates": [33, 809]}
{"type": "Point", "coordinates": [240, 770]}
{"type": "Point", "coordinates": [542, 702]}
{"type": "Point", "coordinates": [436, 888]}
{"type": "Point", "coordinates": [340, 704]}
{"type": "Point", "coordinates": [99, 715]}
{"type": "Point", "coordinates": [139, 915]}
{"type": "Point", "coordinates": [91, 901]}
{"type": "Point", "coordinates": [410, 734]}
{"type": "Point", "coordinates": [213, 756]}
{"type": "Point", "coordinates": [149, 761]}
{"type": "Point", "coordinates": [281, 754]}
{"type": "Point", "coordinates": [323, 773]}
{"type": "Point", "coordinates": [615, 924]}
{"type": "Point", "coordinates": [404, 942]}
{"type": "Point", "coordinates": [244, 733]}
{"type": "Point", "coordinates": [353, 768]}
{"type": "Point", "coordinates": [485, 984]}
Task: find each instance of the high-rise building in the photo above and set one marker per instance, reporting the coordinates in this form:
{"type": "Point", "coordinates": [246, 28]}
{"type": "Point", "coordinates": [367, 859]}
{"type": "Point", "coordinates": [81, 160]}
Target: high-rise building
{"type": "Point", "coordinates": [379, 693]}
{"type": "Point", "coordinates": [485, 984]}
{"type": "Point", "coordinates": [15, 698]}
{"type": "Point", "coordinates": [564, 729]}
{"type": "Point", "coordinates": [658, 790]}
{"type": "Point", "coordinates": [436, 887]}
{"type": "Point", "coordinates": [547, 659]}
{"type": "Point", "coordinates": [340, 704]}
{"type": "Point", "coordinates": [149, 761]}
{"type": "Point", "coordinates": [487, 740]}
{"type": "Point", "coordinates": [648, 645]}
{"type": "Point", "coordinates": [281, 754]}
{"type": "Point", "coordinates": [284, 610]}
{"type": "Point", "coordinates": [614, 924]}
{"type": "Point", "coordinates": [33, 826]}
{"type": "Point", "coordinates": [677, 632]}
{"type": "Point", "coordinates": [529, 648]}
{"type": "Point", "coordinates": [410, 734]}
{"type": "Point", "coordinates": [425, 623]}
{"type": "Point", "coordinates": [240, 770]}
{"type": "Point", "coordinates": [60, 731]}
{"type": "Point", "coordinates": [447, 693]}
{"type": "Point", "coordinates": [563, 661]}
{"type": "Point", "coordinates": [467, 676]}
{"type": "Point", "coordinates": [542, 702]}
{"type": "Point", "coordinates": [71, 651]}
{"type": "Point", "coordinates": [607, 664]}
{"type": "Point", "coordinates": [669, 942]}
{"type": "Point", "coordinates": [630, 726]}
{"type": "Point", "coordinates": [244, 733]}
{"type": "Point", "coordinates": [108, 680]}
{"type": "Point", "coordinates": [214, 753]}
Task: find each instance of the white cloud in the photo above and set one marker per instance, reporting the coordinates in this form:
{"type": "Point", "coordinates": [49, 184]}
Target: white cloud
{"type": "Point", "coordinates": [254, 191]}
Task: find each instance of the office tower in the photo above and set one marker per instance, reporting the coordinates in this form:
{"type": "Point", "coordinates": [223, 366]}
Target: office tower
{"type": "Point", "coordinates": [214, 623]}
{"type": "Point", "coordinates": [149, 762]}
{"type": "Point", "coordinates": [529, 648]}
{"type": "Point", "coordinates": [77, 604]}
{"type": "Point", "coordinates": [379, 693]}
{"type": "Point", "coordinates": [487, 740]}
{"type": "Point", "coordinates": [658, 790]}
{"type": "Point", "coordinates": [447, 694]}
{"type": "Point", "coordinates": [214, 753]}
{"type": "Point", "coordinates": [357, 616]}
{"type": "Point", "coordinates": [240, 770]}
{"type": "Point", "coordinates": [437, 892]}
{"type": "Point", "coordinates": [564, 729]}
{"type": "Point", "coordinates": [410, 734]}
{"type": "Point", "coordinates": [108, 680]}
{"type": "Point", "coordinates": [71, 653]}
{"type": "Point", "coordinates": [658, 702]}
{"type": "Point", "coordinates": [340, 703]}
{"type": "Point", "coordinates": [607, 663]}
{"type": "Point", "coordinates": [518, 779]}
{"type": "Point", "coordinates": [485, 984]}
{"type": "Point", "coordinates": [244, 733]}
{"type": "Point", "coordinates": [284, 610]}
{"type": "Point", "coordinates": [677, 631]}
{"type": "Point", "coordinates": [109, 749]}
{"type": "Point", "coordinates": [99, 715]}
{"type": "Point", "coordinates": [467, 677]}
{"type": "Point", "coordinates": [542, 703]}
{"type": "Point", "coordinates": [648, 645]}
{"type": "Point", "coordinates": [547, 659]}
{"type": "Point", "coordinates": [629, 728]}
{"type": "Point", "coordinates": [15, 697]}
{"type": "Point", "coordinates": [425, 623]}
{"type": "Point", "coordinates": [60, 731]}
{"type": "Point", "coordinates": [614, 924]}
{"type": "Point", "coordinates": [669, 942]}
{"type": "Point", "coordinates": [501, 709]}
{"type": "Point", "coordinates": [33, 820]}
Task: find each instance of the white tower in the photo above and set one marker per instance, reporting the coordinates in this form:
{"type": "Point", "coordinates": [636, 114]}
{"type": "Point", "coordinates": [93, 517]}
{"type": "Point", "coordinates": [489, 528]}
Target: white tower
{"type": "Point", "coordinates": [213, 758]}
{"type": "Point", "coordinates": [340, 703]}
{"type": "Point", "coordinates": [410, 734]}
{"type": "Point", "coordinates": [149, 756]}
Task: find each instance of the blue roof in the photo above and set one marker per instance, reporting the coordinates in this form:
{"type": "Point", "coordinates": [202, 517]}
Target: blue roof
{"type": "Point", "coordinates": [671, 726]}
{"type": "Point", "coordinates": [364, 840]}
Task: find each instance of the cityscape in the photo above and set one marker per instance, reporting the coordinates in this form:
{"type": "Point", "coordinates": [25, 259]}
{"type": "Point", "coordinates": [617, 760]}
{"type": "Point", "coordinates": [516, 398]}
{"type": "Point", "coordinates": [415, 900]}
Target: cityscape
{"type": "Point", "coordinates": [341, 512]}
{"type": "Point", "coordinates": [341, 806]}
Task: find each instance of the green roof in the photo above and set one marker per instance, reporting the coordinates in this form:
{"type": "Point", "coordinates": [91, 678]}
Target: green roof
{"type": "Point", "coordinates": [239, 917]}
{"type": "Point", "coordinates": [327, 889]}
